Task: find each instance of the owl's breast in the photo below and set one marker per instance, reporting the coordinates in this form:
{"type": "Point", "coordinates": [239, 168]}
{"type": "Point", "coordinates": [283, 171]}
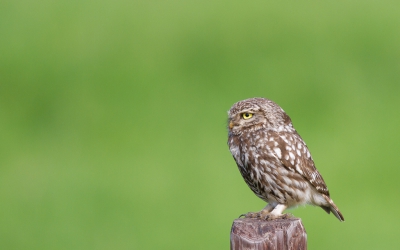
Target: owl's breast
{"type": "Point", "coordinates": [235, 147]}
{"type": "Point", "coordinates": [248, 156]}
{"type": "Point", "coordinates": [262, 169]}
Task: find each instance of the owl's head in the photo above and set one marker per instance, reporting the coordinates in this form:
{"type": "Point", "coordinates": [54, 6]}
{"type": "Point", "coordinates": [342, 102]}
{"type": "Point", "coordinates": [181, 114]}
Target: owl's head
{"type": "Point", "coordinates": [256, 113]}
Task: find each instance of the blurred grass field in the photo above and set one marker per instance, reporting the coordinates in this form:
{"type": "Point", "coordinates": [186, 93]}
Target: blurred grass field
{"type": "Point", "coordinates": [113, 118]}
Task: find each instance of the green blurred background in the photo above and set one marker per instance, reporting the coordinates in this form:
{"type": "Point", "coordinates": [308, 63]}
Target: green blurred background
{"type": "Point", "coordinates": [113, 118]}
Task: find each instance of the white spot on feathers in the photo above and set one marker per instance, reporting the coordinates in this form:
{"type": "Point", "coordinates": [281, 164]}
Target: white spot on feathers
{"type": "Point", "coordinates": [278, 152]}
{"type": "Point", "coordinates": [268, 178]}
{"type": "Point", "coordinates": [313, 175]}
{"type": "Point", "coordinates": [298, 169]}
{"type": "Point", "coordinates": [287, 180]}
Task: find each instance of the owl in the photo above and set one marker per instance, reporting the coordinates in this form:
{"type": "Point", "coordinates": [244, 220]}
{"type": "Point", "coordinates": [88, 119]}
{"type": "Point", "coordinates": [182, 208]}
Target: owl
{"type": "Point", "coordinates": [274, 160]}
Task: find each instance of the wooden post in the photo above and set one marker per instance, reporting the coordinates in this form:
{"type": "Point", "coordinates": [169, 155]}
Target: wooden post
{"type": "Point", "coordinates": [279, 234]}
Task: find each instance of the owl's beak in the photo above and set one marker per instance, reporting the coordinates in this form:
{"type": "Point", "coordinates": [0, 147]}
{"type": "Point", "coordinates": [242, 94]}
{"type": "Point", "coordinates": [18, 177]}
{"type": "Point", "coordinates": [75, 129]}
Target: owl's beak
{"type": "Point", "coordinates": [231, 125]}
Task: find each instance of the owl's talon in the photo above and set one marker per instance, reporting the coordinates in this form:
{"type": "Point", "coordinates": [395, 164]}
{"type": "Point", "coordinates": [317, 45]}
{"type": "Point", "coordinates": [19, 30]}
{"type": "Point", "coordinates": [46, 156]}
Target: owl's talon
{"type": "Point", "coordinates": [287, 216]}
{"type": "Point", "coordinates": [270, 217]}
{"type": "Point", "coordinates": [250, 215]}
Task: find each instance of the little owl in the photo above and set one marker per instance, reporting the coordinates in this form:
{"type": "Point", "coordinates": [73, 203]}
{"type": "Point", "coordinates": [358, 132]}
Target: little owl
{"type": "Point", "coordinates": [273, 159]}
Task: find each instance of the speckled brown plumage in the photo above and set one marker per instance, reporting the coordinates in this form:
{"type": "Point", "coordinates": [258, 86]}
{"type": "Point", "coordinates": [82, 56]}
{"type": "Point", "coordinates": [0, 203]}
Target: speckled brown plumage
{"type": "Point", "coordinates": [274, 160]}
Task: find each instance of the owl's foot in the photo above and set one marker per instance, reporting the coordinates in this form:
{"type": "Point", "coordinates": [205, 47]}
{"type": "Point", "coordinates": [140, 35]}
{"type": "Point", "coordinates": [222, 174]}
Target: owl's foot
{"type": "Point", "coordinates": [251, 215]}
{"type": "Point", "coordinates": [266, 216]}
{"type": "Point", "coordinates": [275, 217]}
{"type": "Point", "coordinates": [261, 214]}
{"type": "Point", "coordinates": [270, 212]}
{"type": "Point", "coordinates": [287, 216]}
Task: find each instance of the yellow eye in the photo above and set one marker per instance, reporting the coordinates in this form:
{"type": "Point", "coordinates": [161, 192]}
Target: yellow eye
{"type": "Point", "coordinates": [247, 115]}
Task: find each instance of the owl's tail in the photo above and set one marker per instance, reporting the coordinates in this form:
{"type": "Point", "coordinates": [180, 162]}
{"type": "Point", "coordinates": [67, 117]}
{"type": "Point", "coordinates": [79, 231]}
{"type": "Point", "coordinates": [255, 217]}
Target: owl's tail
{"type": "Point", "coordinates": [332, 208]}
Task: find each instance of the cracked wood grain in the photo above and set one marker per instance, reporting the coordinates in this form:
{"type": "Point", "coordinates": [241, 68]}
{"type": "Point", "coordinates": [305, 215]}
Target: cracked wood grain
{"type": "Point", "coordinates": [257, 234]}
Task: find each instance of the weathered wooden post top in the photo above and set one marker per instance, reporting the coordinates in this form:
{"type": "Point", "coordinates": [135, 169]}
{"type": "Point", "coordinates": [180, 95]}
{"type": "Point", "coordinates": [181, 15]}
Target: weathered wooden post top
{"type": "Point", "coordinates": [260, 234]}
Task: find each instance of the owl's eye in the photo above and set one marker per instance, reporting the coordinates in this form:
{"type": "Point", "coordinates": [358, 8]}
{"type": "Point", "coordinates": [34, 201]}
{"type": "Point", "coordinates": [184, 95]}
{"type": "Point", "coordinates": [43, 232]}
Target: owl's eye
{"type": "Point", "coordinates": [247, 115]}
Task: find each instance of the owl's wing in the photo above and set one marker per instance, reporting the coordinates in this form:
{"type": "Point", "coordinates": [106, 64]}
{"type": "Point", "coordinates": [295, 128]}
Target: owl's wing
{"type": "Point", "coordinates": [294, 155]}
